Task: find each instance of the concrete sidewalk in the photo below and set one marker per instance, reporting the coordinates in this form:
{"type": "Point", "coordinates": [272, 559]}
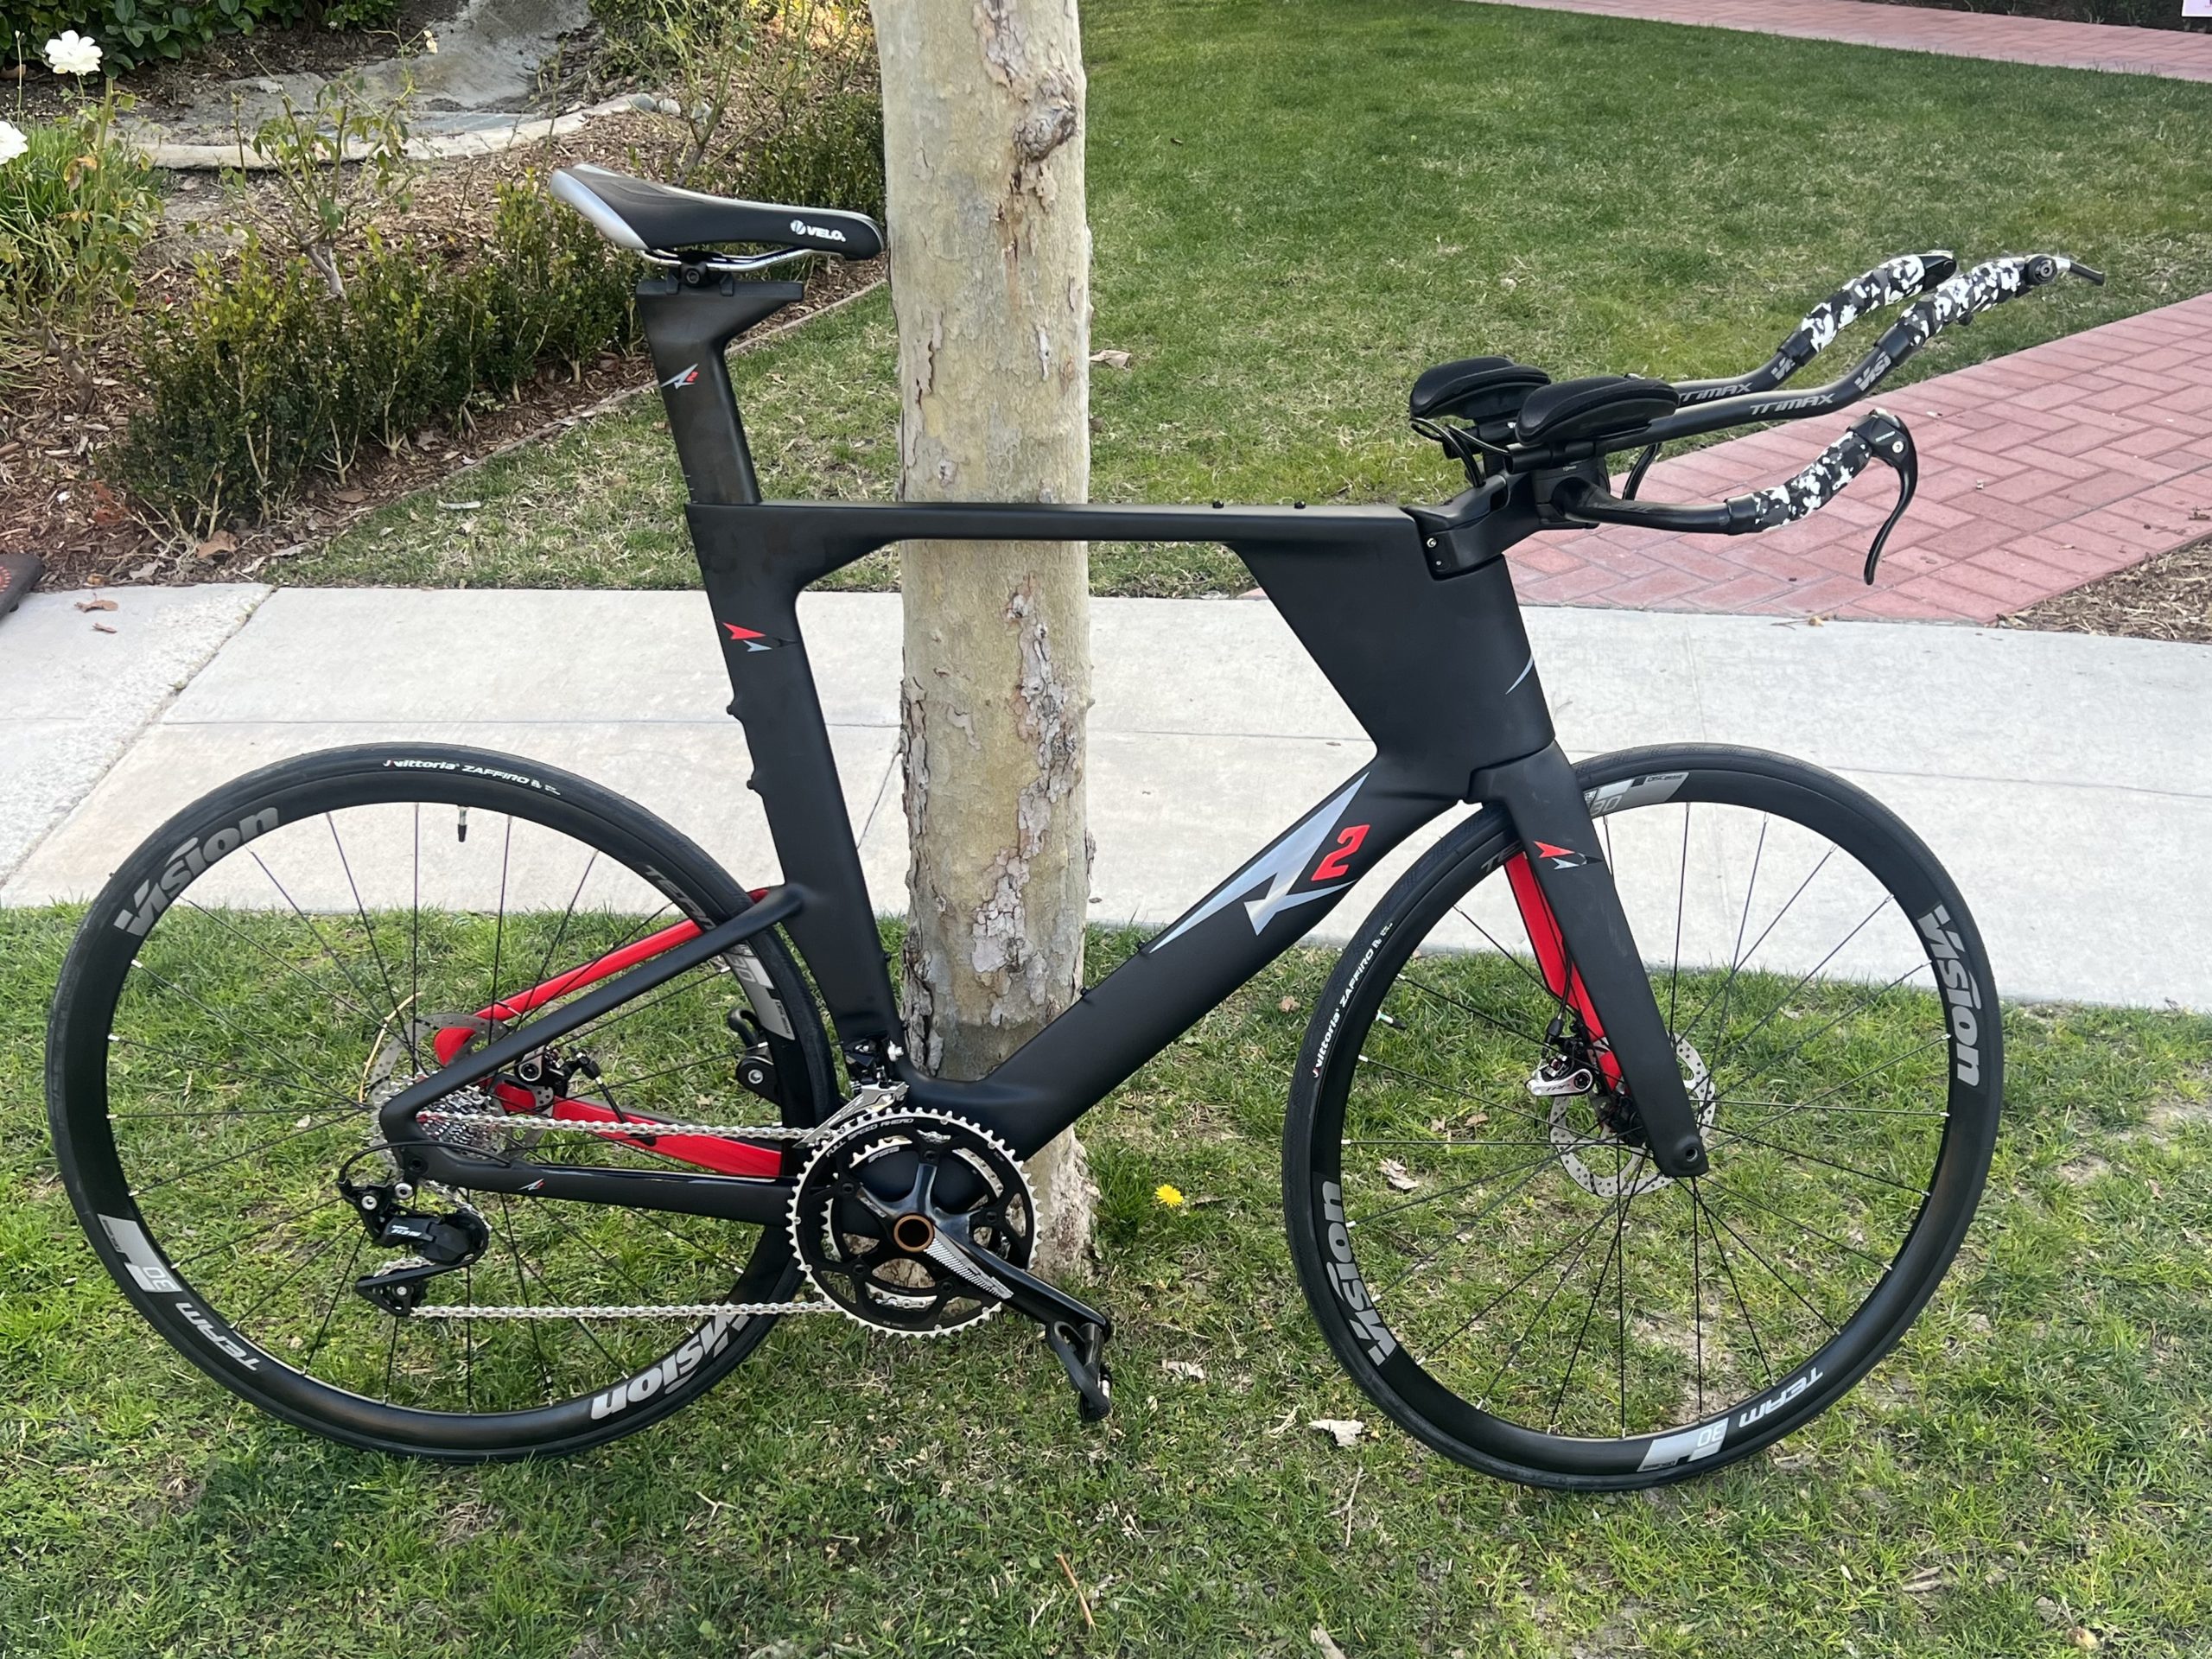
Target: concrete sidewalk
{"type": "Point", "coordinates": [2060, 777]}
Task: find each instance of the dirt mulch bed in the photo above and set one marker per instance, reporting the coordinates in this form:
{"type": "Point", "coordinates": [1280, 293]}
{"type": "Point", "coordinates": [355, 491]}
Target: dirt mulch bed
{"type": "Point", "coordinates": [2167, 597]}
{"type": "Point", "coordinates": [52, 502]}
{"type": "Point", "coordinates": [2066, 11]}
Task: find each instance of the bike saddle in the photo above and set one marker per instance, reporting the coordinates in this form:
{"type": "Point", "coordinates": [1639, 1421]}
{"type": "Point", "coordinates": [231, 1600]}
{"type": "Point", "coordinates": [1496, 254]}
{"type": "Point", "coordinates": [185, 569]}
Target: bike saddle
{"type": "Point", "coordinates": [1476, 389]}
{"type": "Point", "coordinates": [1597, 406]}
{"type": "Point", "coordinates": [639, 214]}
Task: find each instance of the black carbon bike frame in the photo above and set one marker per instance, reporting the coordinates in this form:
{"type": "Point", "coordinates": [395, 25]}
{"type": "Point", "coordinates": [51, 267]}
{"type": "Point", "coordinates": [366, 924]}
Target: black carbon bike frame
{"type": "Point", "coordinates": [1411, 614]}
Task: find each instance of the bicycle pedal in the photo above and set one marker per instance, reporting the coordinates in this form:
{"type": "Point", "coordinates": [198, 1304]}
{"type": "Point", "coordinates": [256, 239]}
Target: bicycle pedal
{"type": "Point", "coordinates": [1082, 1351]}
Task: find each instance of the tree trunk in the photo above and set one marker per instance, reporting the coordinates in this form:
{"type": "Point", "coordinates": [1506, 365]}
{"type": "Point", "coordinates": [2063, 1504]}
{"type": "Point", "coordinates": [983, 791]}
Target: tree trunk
{"type": "Point", "coordinates": [990, 258]}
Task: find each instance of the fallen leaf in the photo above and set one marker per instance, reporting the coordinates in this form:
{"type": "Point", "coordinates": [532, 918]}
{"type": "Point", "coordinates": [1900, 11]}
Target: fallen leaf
{"type": "Point", "coordinates": [1288, 1005]}
{"type": "Point", "coordinates": [1188, 1369]}
{"type": "Point", "coordinates": [96, 605]}
{"type": "Point", "coordinates": [1345, 1431]}
{"type": "Point", "coordinates": [1111, 359]}
{"type": "Point", "coordinates": [1924, 1582]}
{"type": "Point", "coordinates": [1395, 1172]}
{"type": "Point", "coordinates": [2084, 1638]}
{"type": "Point", "coordinates": [1324, 1643]}
{"type": "Point", "coordinates": [349, 496]}
{"type": "Point", "coordinates": [459, 506]}
{"type": "Point", "coordinates": [102, 627]}
{"type": "Point", "coordinates": [215, 546]}
{"type": "Point", "coordinates": [141, 572]}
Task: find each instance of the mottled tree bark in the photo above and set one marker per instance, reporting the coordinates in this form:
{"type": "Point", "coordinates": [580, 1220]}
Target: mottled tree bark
{"type": "Point", "coordinates": [990, 268]}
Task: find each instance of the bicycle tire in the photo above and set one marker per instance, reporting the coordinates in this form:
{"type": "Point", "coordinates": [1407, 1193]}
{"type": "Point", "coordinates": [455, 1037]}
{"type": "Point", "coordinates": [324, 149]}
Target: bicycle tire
{"type": "Point", "coordinates": [1356, 1310]}
{"type": "Point", "coordinates": [82, 1042]}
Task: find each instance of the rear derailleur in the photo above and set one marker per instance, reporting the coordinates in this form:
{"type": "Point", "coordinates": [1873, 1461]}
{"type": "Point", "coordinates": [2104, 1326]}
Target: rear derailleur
{"type": "Point", "coordinates": [436, 1243]}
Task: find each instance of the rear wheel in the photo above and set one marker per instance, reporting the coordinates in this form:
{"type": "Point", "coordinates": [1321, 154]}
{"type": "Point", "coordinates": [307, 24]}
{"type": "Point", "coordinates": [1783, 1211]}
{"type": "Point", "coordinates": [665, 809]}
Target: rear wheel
{"type": "Point", "coordinates": [1479, 1232]}
{"type": "Point", "coordinates": [285, 954]}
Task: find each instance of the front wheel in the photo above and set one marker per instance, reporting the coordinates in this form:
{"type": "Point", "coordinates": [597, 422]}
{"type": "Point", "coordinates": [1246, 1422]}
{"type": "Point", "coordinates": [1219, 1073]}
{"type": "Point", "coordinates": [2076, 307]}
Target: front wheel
{"type": "Point", "coordinates": [1479, 1228]}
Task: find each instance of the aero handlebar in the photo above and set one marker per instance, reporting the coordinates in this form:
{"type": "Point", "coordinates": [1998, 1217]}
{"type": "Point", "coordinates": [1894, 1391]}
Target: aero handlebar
{"type": "Point", "coordinates": [1958, 299]}
{"type": "Point", "coordinates": [1888, 283]}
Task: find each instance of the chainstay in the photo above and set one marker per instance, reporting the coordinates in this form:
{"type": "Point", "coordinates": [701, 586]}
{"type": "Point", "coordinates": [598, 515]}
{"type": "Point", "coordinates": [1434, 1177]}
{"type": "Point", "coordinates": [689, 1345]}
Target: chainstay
{"type": "Point", "coordinates": [630, 1129]}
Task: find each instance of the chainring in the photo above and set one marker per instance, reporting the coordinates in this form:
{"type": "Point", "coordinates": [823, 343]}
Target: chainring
{"type": "Point", "coordinates": [872, 1175]}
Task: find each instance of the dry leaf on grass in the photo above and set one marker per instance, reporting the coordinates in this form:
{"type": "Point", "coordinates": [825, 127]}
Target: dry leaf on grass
{"type": "Point", "coordinates": [1288, 1005]}
{"type": "Point", "coordinates": [1188, 1369]}
{"type": "Point", "coordinates": [1111, 359]}
{"type": "Point", "coordinates": [1345, 1431]}
{"type": "Point", "coordinates": [1324, 1643]}
{"type": "Point", "coordinates": [215, 546]}
{"type": "Point", "coordinates": [1395, 1172]}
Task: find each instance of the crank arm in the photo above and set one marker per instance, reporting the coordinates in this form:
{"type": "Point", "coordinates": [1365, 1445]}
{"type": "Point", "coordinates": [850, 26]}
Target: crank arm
{"type": "Point", "coordinates": [1022, 1291]}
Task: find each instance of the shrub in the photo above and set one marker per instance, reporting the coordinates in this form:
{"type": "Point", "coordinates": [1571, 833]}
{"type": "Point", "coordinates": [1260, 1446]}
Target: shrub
{"type": "Point", "coordinates": [133, 32]}
{"type": "Point", "coordinates": [76, 208]}
{"type": "Point", "coordinates": [262, 380]}
{"type": "Point", "coordinates": [776, 100]}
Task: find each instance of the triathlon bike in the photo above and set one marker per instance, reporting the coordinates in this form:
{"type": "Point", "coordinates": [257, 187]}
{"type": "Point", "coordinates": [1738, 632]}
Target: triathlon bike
{"type": "Point", "coordinates": [444, 1102]}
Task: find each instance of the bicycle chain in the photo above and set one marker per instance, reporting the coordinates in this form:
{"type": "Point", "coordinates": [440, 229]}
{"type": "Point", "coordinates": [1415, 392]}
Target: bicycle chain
{"type": "Point", "coordinates": [872, 1103]}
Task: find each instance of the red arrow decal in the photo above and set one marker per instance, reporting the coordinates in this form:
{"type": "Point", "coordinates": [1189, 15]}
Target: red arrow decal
{"type": "Point", "coordinates": [736, 633]}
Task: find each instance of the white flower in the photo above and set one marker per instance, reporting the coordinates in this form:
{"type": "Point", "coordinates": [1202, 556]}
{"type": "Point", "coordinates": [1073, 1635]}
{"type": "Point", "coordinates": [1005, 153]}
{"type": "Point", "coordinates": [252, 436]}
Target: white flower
{"type": "Point", "coordinates": [12, 143]}
{"type": "Point", "coordinates": [71, 54]}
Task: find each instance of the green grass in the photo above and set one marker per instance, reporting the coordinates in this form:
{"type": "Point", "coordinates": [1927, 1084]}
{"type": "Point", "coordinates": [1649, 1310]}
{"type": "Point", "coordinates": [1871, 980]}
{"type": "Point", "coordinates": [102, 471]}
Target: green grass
{"type": "Point", "coordinates": [2033, 1460]}
{"type": "Point", "coordinates": [1300, 203]}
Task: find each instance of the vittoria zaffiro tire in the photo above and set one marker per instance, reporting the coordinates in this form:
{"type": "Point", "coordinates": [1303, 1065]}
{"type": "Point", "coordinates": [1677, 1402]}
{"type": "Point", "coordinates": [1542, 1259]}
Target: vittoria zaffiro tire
{"type": "Point", "coordinates": [1486, 1247]}
{"type": "Point", "coordinates": [286, 953]}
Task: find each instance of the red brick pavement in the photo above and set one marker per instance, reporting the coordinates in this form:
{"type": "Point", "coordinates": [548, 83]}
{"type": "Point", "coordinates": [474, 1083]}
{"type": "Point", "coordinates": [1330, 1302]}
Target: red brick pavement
{"type": "Point", "coordinates": [2172, 54]}
{"type": "Point", "coordinates": [2039, 472]}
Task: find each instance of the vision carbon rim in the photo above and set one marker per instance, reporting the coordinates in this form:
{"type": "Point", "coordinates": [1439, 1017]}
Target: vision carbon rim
{"type": "Point", "coordinates": [285, 953]}
{"type": "Point", "coordinates": [1499, 1266]}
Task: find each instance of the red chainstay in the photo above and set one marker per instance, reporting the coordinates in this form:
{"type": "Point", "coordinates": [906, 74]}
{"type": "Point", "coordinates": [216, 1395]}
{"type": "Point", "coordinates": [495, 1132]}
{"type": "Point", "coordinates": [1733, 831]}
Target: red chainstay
{"type": "Point", "coordinates": [724, 1156]}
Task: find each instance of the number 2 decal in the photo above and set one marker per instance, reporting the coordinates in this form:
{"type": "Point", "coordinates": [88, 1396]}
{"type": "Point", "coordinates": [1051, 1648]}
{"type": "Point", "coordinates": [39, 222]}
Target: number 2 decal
{"type": "Point", "coordinates": [1331, 869]}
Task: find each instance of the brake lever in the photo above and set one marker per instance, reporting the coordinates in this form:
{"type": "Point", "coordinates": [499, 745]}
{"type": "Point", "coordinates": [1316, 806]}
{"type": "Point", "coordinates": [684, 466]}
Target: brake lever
{"type": "Point", "coordinates": [1887, 439]}
{"type": "Point", "coordinates": [1878, 436]}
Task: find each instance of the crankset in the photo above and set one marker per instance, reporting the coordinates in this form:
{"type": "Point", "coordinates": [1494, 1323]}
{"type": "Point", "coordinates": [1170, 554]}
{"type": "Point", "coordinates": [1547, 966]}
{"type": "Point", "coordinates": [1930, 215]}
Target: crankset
{"type": "Point", "coordinates": [919, 1224]}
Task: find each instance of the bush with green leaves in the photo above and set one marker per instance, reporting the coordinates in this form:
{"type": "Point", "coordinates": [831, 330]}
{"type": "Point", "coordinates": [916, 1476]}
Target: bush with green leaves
{"type": "Point", "coordinates": [77, 207]}
{"type": "Point", "coordinates": [132, 32]}
{"type": "Point", "coordinates": [775, 99]}
{"type": "Point", "coordinates": [263, 381]}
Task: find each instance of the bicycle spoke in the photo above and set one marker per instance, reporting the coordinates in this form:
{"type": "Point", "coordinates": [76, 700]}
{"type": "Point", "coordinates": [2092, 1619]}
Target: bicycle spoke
{"type": "Point", "coordinates": [376, 955]}
{"type": "Point", "coordinates": [1728, 1268]}
{"type": "Point", "coordinates": [1814, 1157]}
{"type": "Point", "coordinates": [1513, 1032]}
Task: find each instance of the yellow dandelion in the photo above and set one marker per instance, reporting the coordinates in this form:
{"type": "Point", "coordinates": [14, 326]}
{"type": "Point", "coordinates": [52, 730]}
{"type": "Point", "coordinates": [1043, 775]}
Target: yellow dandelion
{"type": "Point", "coordinates": [1169, 1196]}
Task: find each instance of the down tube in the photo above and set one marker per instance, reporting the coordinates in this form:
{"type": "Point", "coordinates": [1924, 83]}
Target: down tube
{"type": "Point", "coordinates": [1178, 976]}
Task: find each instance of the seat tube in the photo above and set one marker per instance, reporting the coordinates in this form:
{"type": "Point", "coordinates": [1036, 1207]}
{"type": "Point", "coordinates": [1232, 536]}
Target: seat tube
{"type": "Point", "coordinates": [1582, 941]}
{"type": "Point", "coordinates": [688, 326]}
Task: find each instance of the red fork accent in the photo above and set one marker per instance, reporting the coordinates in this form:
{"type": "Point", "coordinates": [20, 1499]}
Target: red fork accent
{"type": "Point", "coordinates": [1561, 977]}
